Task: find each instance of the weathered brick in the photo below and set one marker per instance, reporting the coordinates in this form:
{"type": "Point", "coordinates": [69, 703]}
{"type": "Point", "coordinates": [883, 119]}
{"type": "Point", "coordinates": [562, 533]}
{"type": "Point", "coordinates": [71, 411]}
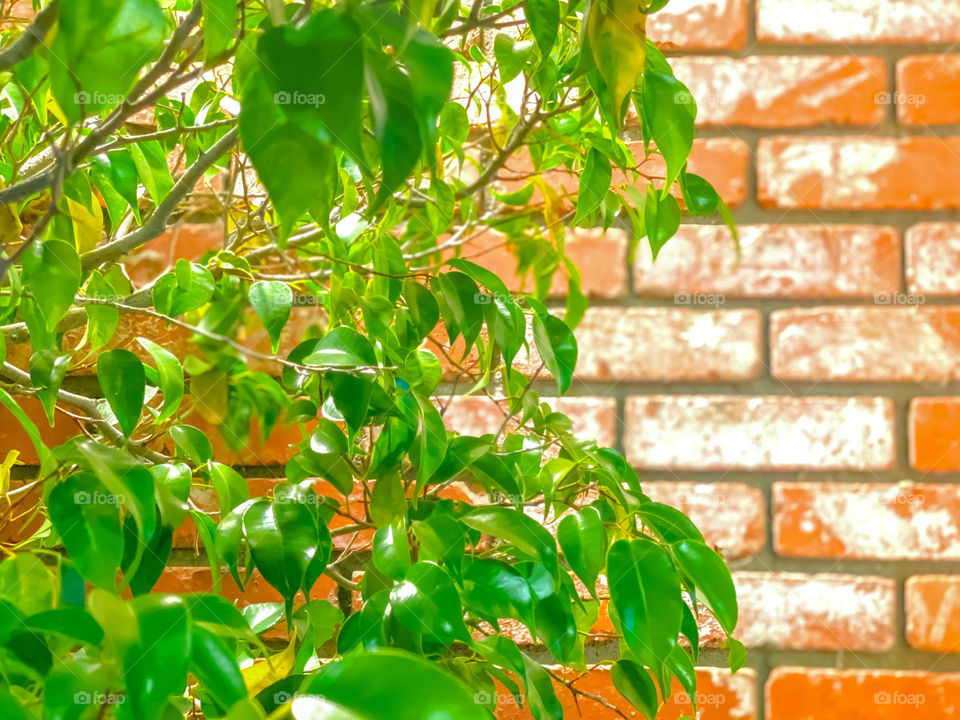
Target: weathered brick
{"type": "Point", "coordinates": [880, 521]}
{"type": "Point", "coordinates": [792, 91]}
{"type": "Point", "coordinates": [880, 344]}
{"type": "Point", "coordinates": [720, 696]}
{"type": "Point", "coordinates": [601, 256]}
{"type": "Point", "coordinates": [731, 516]}
{"type": "Point", "coordinates": [698, 25]}
{"type": "Point", "coordinates": [719, 432]}
{"type": "Point", "coordinates": [933, 258]}
{"type": "Point", "coordinates": [933, 612]}
{"type": "Point", "coordinates": [777, 261]}
{"type": "Point", "coordinates": [14, 437]}
{"type": "Point", "coordinates": [935, 433]}
{"type": "Point", "coordinates": [188, 241]}
{"type": "Point", "coordinates": [797, 611]}
{"type": "Point", "coordinates": [593, 418]}
{"type": "Point", "coordinates": [658, 344]}
{"type": "Point", "coordinates": [796, 693]}
{"type": "Point", "coordinates": [857, 21]}
{"type": "Point", "coordinates": [846, 173]}
{"type": "Point", "coordinates": [928, 89]}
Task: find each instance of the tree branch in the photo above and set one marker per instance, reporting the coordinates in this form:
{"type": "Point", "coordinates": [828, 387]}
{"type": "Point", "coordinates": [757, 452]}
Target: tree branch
{"type": "Point", "coordinates": [24, 45]}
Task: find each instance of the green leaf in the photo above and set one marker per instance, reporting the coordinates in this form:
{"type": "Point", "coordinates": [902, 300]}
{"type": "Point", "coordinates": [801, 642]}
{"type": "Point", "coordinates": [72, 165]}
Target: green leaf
{"type": "Point", "coordinates": [219, 17]}
{"type": "Point", "coordinates": [86, 516]}
{"type": "Point", "coordinates": [55, 267]}
{"type": "Point", "coordinates": [169, 377]}
{"type": "Point", "coordinates": [298, 170]}
{"type": "Point", "coordinates": [427, 603]}
{"type": "Point", "coordinates": [231, 487]}
{"type": "Point", "coordinates": [557, 347]}
{"type": "Point", "coordinates": [737, 654]}
{"type": "Point", "coordinates": [69, 622]}
{"type": "Point", "coordinates": [594, 183]}
{"type": "Point", "coordinates": [163, 642]}
{"type": "Point", "coordinates": [493, 589]}
{"type": "Point", "coordinates": [325, 104]}
{"type": "Point", "coordinates": [214, 663]}
{"type": "Point", "coordinates": [102, 320]}
{"type": "Point", "coordinates": [704, 566]}
{"type": "Point", "coordinates": [272, 301]}
{"type": "Point", "coordinates": [287, 544]}
{"type": "Point", "coordinates": [123, 382]}
{"type": "Point", "coordinates": [398, 693]}
{"type": "Point", "coordinates": [668, 523]}
{"type": "Point", "coordinates": [616, 33]}
{"type": "Point", "coordinates": [395, 125]}
{"type": "Point", "coordinates": [511, 56]}
{"type": "Point", "coordinates": [189, 288]}
{"type": "Point", "coordinates": [645, 592]}
{"type": "Point", "coordinates": [544, 19]}
{"type": "Point", "coordinates": [635, 684]}
{"type": "Point", "coordinates": [698, 195]}
{"type": "Point", "coordinates": [342, 347]}
{"type": "Point", "coordinates": [671, 113]}
{"type": "Point", "coordinates": [391, 550]}
{"type": "Point", "coordinates": [433, 441]}
{"type": "Point", "coordinates": [151, 163]}
{"type": "Point", "coordinates": [47, 370]}
{"type": "Point", "coordinates": [192, 443]}
{"type": "Point", "coordinates": [523, 532]}
{"type": "Point", "coordinates": [582, 540]}
{"type": "Point", "coordinates": [98, 50]}
{"type": "Point", "coordinates": [30, 428]}
{"type": "Point", "coordinates": [661, 217]}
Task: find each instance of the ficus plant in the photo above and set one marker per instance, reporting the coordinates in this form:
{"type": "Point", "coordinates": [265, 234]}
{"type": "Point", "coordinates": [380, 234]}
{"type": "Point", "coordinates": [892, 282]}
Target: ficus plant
{"type": "Point", "coordinates": [354, 153]}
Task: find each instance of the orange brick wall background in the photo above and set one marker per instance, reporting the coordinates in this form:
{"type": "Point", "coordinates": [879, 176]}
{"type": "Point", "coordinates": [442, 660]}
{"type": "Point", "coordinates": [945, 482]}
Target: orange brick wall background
{"type": "Point", "coordinates": [802, 405]}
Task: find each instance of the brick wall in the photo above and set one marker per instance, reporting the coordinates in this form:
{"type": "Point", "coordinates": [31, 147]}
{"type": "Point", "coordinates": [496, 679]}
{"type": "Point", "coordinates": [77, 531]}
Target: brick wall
{"type": "Point", "coordinates": [802, 405]}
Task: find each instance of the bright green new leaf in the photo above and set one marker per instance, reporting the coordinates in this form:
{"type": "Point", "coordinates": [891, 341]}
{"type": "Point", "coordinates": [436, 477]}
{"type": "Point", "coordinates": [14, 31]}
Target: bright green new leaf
{"type": "Point", "coordinates": [272, 301]}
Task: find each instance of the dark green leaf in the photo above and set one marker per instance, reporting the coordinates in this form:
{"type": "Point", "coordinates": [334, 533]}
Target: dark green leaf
{"type": "Point", "coordinates": [123, 382]}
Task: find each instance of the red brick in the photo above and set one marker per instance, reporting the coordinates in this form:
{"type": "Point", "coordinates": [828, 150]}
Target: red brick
{"type": "Point", "coordinates": [796, 611]}
{"type": "Point", "coordinates": [928, 90]}
{"type": "Point", "coordinates": [593, 418]}
{"type": "Point", "coordinates": [188, 241]}
{"type": "Point", "coordinates": [857, 21]}
{"type": "Point", "coordinates": [933, 258]}
{"type": "Point", "coordinates": [846, 173]}
{"type": "Point", "coordinates": [600, 255]}
{"type": "Point", "coordinates": [777, 261]}
{"type": "Point", "coordinates": [793, 91]}
{"type": "Point", "coordinates": [720, 695]}
{"type": "Point", "coordinates": [796, 693]}
{"type": "Point", "coordinates": [879, 344]}
{"type": "Point", "coordinates": [720, 432]}
{"type": "Point", "coordinates": [731, 516]}
{"type": "Point", "coordinates": [698, 25]}
{"type": "Point", "coordinates": [664, 344]}
{"type": "Point", "coordinates": [722, 161]}
{"type": "Point", "coordinates": [933, 612]}
{"type": "Point", "coordinates": [876, 521]}
{"type": "Point", "coordinates": [179, 580]}
{"type": "Point", "coordinates": [14, 437]}
{"type": "Point", "coordinates": [935, 433]}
